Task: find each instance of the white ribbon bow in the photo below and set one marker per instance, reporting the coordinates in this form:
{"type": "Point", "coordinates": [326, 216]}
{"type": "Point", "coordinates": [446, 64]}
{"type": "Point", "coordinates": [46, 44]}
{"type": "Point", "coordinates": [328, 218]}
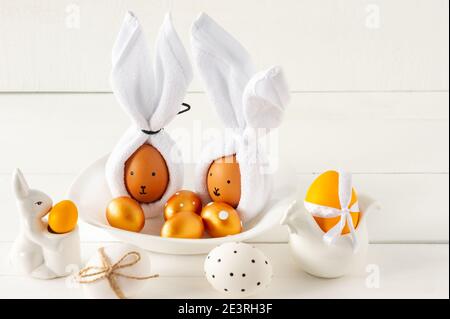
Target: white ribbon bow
{"type": "Point", "coordinates": [345, 197]}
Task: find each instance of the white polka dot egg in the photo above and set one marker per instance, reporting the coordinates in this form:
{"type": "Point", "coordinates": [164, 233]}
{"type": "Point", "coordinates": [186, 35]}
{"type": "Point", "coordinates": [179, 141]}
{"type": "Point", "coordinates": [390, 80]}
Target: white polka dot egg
{"type": "Point", "coordinates": [237, 269]}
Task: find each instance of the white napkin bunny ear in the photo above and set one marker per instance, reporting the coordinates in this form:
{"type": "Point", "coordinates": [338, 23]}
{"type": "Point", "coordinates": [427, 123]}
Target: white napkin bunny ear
{"type": "Point", "coordinates": [265, 98]}
{"type": "Point", "coordinates": [225, 67]}
{"type": "Point", "coordinates": [150, 98]}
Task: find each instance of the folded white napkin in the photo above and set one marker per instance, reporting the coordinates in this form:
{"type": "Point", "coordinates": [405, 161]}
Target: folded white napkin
{"type": "Point", "coordinates": [152, 97]}
{"type": "Point", "coordinates": [246, 102]}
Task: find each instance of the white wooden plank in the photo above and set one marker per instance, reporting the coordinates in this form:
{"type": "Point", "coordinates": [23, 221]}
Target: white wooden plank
{"type": "Point", "coordinates": [415, 206]}
{"type": "Point", "coordinates": [389, 132]}
{"type": "Point", "coordinates": [331, 45]}
{"type": "Point", "coordinates": [406, 271]}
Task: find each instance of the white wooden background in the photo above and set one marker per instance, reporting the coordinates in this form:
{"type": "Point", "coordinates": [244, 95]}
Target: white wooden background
{"type": "Point", "coordinates": [372, 70]}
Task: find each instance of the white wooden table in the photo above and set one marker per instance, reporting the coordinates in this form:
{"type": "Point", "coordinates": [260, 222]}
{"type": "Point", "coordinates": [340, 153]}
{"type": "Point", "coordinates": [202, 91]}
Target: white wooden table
{"type": "Point", "coordinates": [405, 271]}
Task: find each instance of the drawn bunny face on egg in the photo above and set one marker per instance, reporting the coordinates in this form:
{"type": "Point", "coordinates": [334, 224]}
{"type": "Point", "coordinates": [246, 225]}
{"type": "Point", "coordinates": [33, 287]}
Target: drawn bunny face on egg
{"type": "Point", "coordinates": [224, 181]}
{"type": "Point", "coordinates": [146, 174]}
{"type": "Point", "coordinates": [151, 91]}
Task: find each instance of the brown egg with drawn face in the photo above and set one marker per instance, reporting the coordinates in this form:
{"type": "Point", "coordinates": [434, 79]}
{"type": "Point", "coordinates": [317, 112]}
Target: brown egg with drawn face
{"type": "Point", "coordinates": [224, 181]}
{"type": "Point", "coordinates": [182, 200]}
{"type": "Point", "coordinates": [146, 174]}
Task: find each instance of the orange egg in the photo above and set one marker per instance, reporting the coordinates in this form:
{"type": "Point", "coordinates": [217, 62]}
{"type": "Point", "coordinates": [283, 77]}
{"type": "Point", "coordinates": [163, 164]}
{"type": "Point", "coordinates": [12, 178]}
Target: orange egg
{"type": "Point", "coordinates": [63, 217]}
{"type": "Point", "coordinates": [146, 174]}
{"type": "Point", "coordinates": [182, 200]}
{"type": "Point", "coordinates": [221, 219]}
{"type": "Point", "coordinates": [224, 181]}
{"type": "Point", "coordinates": [125, 213]}
{"type": "Point", "coordinates": [324, 191]}
{"type": "Point", "coordinates": [183, 225]}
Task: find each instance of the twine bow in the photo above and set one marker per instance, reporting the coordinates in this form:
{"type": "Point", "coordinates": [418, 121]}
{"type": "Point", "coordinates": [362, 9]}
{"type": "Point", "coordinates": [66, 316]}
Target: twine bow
{"type": "Point", "coordinates": [345, 197]}
{"type": "Point", "coordinates": [111, 271]}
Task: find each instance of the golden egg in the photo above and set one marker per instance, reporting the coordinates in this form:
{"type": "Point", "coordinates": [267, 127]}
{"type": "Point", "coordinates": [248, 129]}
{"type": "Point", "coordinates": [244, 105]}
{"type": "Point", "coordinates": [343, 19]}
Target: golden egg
{"type": "Point", "coordinates": [221, 219]}
{"type": "Point", "coordinates": [182, 200]}
{"type": "Point", "coordinates": [324, 191]}
{"type": "Point", "coordinates": [183, 225]}
{"type": "Point", "coordinates": [63, 217]}
{"type": "Point", "coordinates": [146, 174]}
{"type": "Point", "coordinates": [223, 181]}
{"type": "Point", "coordinates": [125, 213]}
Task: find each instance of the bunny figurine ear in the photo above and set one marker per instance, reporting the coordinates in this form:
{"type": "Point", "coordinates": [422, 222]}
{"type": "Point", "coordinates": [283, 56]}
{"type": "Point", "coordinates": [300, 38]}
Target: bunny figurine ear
{"type": "Point", "coordinates": [265, 98]}
{"type": "Point", "coordinates": [173, 74]}
{"type": "Point", "coordinates": [20, 186]}
{"type": "Point", "coordinates": [225, 67]}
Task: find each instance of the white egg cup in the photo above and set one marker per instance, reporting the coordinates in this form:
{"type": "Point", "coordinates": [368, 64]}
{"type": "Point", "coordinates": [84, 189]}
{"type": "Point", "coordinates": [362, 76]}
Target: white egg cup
{"type": "Point", "coordinates": [37, 252]}
{"type": "Point", "coordinates": [315, 256]}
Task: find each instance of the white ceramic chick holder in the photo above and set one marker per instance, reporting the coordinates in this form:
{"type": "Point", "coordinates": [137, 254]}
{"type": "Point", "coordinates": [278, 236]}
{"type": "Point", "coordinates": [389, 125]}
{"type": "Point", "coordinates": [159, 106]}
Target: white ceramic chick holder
{"type": "Point", "coordinates": [36, 251]}
{"type": "Point", "coordinates": [319, 258]}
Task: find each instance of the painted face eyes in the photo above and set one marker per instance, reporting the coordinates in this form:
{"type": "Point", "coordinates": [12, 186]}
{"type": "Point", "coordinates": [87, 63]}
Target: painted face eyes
{"type": "Point", "coordinates": [39, 203]}
{"type": "Point", "coordinates": [131, 173]}
{"type": "Point", "coordinates": [228, 181]}
{"type": "Point", "coordinates": [153, 173]}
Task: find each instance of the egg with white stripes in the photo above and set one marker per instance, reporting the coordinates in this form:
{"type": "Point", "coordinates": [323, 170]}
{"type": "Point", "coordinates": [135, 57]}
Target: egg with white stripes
{"type": "Point", "coordinates": [238, 269]}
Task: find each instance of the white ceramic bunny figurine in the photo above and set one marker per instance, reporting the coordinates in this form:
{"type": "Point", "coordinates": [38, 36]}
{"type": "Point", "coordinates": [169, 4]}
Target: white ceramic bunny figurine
{"type": "Point", "coordinates": [36, 251]}
{"type": "Point", "coordinates": [250, 104]}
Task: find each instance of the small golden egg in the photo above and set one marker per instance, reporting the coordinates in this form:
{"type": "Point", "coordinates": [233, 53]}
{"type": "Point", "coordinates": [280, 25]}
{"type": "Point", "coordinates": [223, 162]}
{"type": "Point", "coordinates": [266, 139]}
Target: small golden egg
{"type": "Point", "coordinates": [221, 219]}
{"type": "Point", "coordinates": [63, 217]}
{"type": "Point", "coordinates": [182, 200]}
{"type": "Point", "coordinates": [183, 225]}
{"type": "Point", "coordinates": [125, 213]}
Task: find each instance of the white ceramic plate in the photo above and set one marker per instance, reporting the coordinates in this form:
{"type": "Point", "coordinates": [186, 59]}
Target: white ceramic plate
{"type": "Point", "coordinates": [91, 194]}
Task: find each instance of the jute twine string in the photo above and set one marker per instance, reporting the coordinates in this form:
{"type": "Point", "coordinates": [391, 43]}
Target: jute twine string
{"type": "Point", "coordinates": [110, 271]}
